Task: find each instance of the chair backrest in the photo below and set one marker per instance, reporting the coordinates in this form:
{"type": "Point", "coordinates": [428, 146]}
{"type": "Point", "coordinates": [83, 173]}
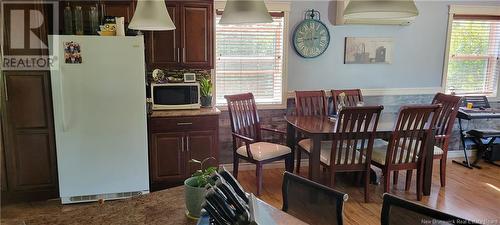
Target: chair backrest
{"type": "Point", "coordinates": [477, 101]}
{"type": "Point", "coordinates": [311, 103]}
{"type": "Point", "coordinates": [397, 211]}
{"type": "Point", "coordinates": [411, 132]}
{"type": "Point", "coordinates": [311, 202]}
{"type": "Point", "coordinates": [353, 138]}
{"type": "Point", "coordinates": [446, 119]}
{"type": "Point", "coordinates": [352, 97]}
{"type": "Point", "coordinates": [243, 115]}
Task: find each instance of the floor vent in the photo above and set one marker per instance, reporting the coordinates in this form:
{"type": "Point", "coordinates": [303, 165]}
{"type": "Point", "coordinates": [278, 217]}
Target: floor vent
{"type": "Point", "coordinates": [110, 196]}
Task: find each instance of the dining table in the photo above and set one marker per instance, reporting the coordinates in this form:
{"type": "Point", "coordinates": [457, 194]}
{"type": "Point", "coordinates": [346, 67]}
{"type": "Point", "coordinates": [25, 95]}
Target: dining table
{"type": "Point", "coordinates": [319, 128]}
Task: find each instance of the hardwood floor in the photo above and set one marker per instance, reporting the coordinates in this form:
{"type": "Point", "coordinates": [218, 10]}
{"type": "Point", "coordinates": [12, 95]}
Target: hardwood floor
{"type": "Point", "coordinates": [471, 194]}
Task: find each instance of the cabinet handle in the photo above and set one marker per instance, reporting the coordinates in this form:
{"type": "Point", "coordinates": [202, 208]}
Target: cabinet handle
{"type": "Point", "coordinates": [184, 124]}
{"type": "Point", "coordinates": [178, 54]}
{"type": "Point", "coordinates": [5, 88]}
{"type": "Point", "coordinates": [187, 143]}
{"type": "Point", "coordinates": [182, 144]}
{"type": "Point", "coordinates": [183, 54]}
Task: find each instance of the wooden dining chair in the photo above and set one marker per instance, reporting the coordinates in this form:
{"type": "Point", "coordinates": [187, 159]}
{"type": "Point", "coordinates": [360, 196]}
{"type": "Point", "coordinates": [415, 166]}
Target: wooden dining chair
{"type": "Point", "coordinates": [247, 137]}
{"type": "Point", "coordinates": [397, 211]}
{"type": "Point", "coordinates": [352, 97]}
{"type": "Point", "coordinates": [310, 103]}
{"type": "Point", "coordinates": [407, 145]}
{"type": "Point", "coordinates": [444, 129]}
{"type": "Point", "coordinates": [311, 202]}
{"type": "Point", "coordinates": [352, 143]}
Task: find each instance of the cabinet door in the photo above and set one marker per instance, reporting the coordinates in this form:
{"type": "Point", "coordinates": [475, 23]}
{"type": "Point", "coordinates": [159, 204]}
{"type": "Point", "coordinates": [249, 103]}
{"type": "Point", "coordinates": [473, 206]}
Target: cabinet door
{"type": "Point", "coordinates": [30, 156]}
{"type": "Point", "coordinates": [163, 47]}
{"type": "Point", "coordinates": [118, 9]}
{"type": "Point", "coordinates": [167, 162]}
{"type": "Point", "coordinates": [201, 145]}
{"type": "Point", "coordinates": [197, 35]}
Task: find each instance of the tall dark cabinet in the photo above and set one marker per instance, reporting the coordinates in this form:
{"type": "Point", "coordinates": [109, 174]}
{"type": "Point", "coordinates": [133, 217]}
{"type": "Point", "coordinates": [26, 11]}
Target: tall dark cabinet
{"type": "Point", "coordinates": [29, 148]}
{"type": "Point", "coordinates": [28, 156]}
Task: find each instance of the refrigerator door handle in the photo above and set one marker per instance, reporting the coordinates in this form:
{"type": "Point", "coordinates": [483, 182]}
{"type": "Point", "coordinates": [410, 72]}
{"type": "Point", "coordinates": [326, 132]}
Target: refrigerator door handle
{"type": "Point", "coordinates": [63, 113]}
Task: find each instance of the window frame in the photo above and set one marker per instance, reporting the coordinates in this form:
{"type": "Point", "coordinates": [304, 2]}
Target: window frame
{"type": "Point", "coordinates": [283, 7]}
{"type": "Point", "coordinates": [472, 10]}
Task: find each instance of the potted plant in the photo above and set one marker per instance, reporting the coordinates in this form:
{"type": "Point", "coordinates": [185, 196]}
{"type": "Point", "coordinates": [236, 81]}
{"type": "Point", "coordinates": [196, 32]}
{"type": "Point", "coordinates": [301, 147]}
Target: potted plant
{"type": "Point", "coordinates": [195, 188]}
{"type": "Point", "coordinates": [206, 92]}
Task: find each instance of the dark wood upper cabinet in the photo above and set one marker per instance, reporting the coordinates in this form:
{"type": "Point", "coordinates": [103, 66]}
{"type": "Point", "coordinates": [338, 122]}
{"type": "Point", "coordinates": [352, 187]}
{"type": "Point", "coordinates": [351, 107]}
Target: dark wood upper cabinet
{"type": "Point", "coordinates": [118, 9]}
{"type": "Point", "coordinates": [163, 47]}
{"type": "Point", "coordinates": [197, 34]}
{"type": "Point", "coordinates": [30, 156]}
{"type": "Point", "coordinates": [190, 45]}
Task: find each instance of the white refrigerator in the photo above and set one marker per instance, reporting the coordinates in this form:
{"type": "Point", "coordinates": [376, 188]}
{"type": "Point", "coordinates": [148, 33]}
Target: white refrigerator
{"type": "Point", "coordinates": [99, 103]}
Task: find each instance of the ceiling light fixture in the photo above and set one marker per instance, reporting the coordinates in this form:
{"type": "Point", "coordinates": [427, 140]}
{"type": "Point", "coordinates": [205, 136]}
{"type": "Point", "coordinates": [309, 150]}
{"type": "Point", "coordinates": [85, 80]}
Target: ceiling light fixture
{"type": "Point", "coordinates": [151, 15]}
{"type": "Point", "coordinates": [245, 12]}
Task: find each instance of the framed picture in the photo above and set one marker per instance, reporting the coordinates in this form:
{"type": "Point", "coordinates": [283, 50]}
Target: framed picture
{"type": "Point", "coordinates": [72, 53]}
{"type": "Point", "coordinates": [368, 50]}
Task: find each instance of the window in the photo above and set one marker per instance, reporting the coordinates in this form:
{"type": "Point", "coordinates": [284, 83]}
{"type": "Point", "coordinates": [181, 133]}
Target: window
{"type": "Point", "coordinates": [249, 58]}
{"type": "Point", "coordinates": [473, 58]}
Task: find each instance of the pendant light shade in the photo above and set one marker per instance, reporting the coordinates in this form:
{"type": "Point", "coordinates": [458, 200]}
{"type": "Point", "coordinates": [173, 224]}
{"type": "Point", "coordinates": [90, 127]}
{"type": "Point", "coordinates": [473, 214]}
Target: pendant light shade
{"type": "Point", "coordinates": [380, 9]}
{"type": "Point", "coordinates": [245, 12]}
{"type": "Point", "coordinates": [151, 15]}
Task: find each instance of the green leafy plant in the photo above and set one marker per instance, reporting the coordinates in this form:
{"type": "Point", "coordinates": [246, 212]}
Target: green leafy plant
{"type": "Point", "coordinates": [205, 86]}
{"type": "Point", "coordinates": [202, 175]}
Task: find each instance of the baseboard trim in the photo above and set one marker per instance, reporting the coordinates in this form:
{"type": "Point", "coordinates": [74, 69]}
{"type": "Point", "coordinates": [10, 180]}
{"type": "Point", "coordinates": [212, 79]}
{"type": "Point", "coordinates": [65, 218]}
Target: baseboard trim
{"type": "Point", "coordinates": [245, 166]}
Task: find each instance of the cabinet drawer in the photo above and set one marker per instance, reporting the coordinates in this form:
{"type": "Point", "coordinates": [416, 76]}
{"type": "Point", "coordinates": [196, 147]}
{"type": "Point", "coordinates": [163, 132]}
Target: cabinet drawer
{"type": "Point", "coordinates": [184, 123]}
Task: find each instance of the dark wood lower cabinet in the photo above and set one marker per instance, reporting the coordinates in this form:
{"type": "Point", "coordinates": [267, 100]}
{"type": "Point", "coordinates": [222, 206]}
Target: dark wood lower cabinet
{"type": "Point", "coordinates": [28, 137]}
{"type": "Point", "coordinates": [176, 140]}
{"type": "Point", "coordinates": [167, 157]}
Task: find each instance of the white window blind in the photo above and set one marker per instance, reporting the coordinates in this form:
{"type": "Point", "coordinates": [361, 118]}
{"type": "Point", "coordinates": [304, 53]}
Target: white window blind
{"type": "Point", "coordinates": [249, 58]}
{"type": "Point", "coordinates": [474, 64]}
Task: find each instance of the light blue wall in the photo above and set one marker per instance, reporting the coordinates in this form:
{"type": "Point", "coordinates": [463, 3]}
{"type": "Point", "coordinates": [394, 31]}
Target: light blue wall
{"type": "Point", "coordinates": [417, 59]}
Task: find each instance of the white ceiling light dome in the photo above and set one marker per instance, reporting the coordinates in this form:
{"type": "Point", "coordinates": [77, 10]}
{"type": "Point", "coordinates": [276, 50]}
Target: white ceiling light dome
{"type": "Point", "coordinates": [245, 12]}
{"type": "Point", "coordinates": [151, 15]}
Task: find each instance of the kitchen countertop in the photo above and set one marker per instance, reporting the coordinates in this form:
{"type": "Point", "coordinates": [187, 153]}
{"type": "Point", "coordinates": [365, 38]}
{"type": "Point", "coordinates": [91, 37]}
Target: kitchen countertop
{"type": "Point", "coordinates": [186, 112]}
{"type": "Point", "coordinates": [162, 207]}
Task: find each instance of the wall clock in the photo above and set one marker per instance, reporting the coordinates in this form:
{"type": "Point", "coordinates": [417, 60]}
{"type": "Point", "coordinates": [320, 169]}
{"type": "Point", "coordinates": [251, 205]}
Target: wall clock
{"type": "Point", "coordinates": [311, 37]}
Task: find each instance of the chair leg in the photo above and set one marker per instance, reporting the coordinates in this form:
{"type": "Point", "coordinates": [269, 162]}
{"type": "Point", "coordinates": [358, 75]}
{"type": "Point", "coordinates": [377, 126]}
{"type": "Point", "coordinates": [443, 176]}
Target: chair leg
{"type": "Point", "coordinates": [367, 183]}
{"type": "Point", "coordinates": [442, 170]}
{"type": "Point", "coordinates": [332, 179]}
{"type": "Point", "coordinates": [236, 162]}
{"type": "Point", "coordinates": [299, 156]}
{"type": "Point", "coordinates": [387, 180]}
{"type": "Point", "coordinates": [420, 183]}
{"type": "Point", "coordinates": [395, 177]}
{"type": "Point", "coordinates": [288, 163]}
{"type": "Point", "coordinates": [409, 173]}
{"type": "Point", "coordinates": [258, 174]}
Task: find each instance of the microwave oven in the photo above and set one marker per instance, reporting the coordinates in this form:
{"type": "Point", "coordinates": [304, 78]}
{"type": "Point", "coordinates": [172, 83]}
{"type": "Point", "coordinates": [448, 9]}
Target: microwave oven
{"type": "Point", "coordinates": [175, 96]}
